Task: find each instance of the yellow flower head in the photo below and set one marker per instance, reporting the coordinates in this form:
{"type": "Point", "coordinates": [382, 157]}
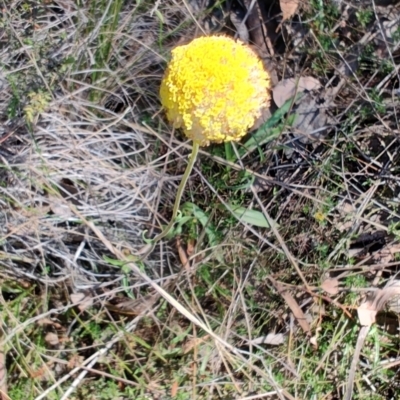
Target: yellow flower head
{"type": "Point", "coordinates": [214, 89]}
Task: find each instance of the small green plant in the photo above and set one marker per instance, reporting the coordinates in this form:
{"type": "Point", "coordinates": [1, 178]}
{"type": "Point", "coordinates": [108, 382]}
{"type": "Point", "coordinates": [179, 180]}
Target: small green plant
{"type": "Point", "coordinates": [377, 101]}
{"type": "Point", "coordinates": [324, 15]}
{"type": "Point", "coordinates": [396, 35]}
{"type": "Point", "coordinates": [386, 67]}
{"type": "Point", "coordinates": [323, 249]}
{"type": "Point", "coordinates": [394, 229]}
{"type": "Point", "coordinates": [356, 281]}
{"type": "Point", "coordinates": [38, 103]}
{"type": "Point", "coordinates": [364, 17]}
{"type": "Point", "coordinates": [320, 64]}
{"type": "Point", "coordinates": [320, 217]}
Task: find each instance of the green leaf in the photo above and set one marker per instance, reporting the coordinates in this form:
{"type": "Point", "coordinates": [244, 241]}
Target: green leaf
{"type": "Point", "coordinates": [251, 217]}
{"type": "Point", "coordinates": [180, 222]}
{"type": "Point", "coordinates": [114, 262]}
{"type": "Point", "coordinates": [269, 130]}
{"type": "Point", "coordinates": [160, 16]}
{"type": "Point", "coordinates": [202, 217]}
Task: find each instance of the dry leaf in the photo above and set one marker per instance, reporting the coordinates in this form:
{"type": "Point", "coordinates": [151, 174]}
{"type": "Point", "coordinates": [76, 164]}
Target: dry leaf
{"type": "Point", "coordinates": [182, 255]}
{"type": "Point", "coordinates": [51, 338]}
{"type": "Point", "coordinates": [287, 88]}
{"type": "Point", "coordinates": [191, 246]}
{"type": "Point", "coordinates": [366, 313]}
{"type": "Point", "coordinates": [174, 388]}
{"type": "Point", "coordinates": [81, 300]}
{"type": "Point", "coordinates": [59, 208]}
{"type": "Point", "coordinates": [346, 208]}
{"type": "Point", "coordinates": [292, 304]}
{"type": "Point", "coordinates": [288, 8]}
{"type": "Point", "coordinates": [311, 122]}
{"type": "Point", "coordinates": [368, 309]}
{"type": "Point", "coordinates": [273, 339]}
{"type": "Point", "coordinates": [387, 254]}
{"type": "Point", "coordinates": [331, 286]}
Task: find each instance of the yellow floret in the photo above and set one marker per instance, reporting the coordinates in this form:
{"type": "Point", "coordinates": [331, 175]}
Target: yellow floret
{"type": "Point", "coordinates": [214, 89]}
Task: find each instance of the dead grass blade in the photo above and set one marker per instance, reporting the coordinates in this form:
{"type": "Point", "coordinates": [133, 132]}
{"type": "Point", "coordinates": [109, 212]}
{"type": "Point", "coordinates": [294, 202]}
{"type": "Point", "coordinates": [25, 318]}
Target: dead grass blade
{"type": "Point", "coordinates": [3, 376]}
{"type": "Point", "coordinates": [362, 335]}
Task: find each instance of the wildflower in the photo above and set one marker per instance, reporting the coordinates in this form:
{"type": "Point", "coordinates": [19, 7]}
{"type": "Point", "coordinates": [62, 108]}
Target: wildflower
{"type": "Point", "coordinates": [214, 89]}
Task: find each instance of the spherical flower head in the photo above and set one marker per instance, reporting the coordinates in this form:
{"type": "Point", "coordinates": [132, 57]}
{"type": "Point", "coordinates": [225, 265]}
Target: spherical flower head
{"type": "Point", "coordinates": [214, 88]}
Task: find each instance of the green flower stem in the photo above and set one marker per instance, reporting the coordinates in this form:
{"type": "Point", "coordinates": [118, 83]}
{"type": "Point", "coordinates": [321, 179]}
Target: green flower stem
{"type": "Point", "coordinates": [182, 185]}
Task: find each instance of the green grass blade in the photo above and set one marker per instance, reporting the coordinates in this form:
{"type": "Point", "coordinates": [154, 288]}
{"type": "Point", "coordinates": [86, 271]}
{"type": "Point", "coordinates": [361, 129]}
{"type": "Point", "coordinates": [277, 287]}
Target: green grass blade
{"type": "Point", "coordinates": [269, 130]}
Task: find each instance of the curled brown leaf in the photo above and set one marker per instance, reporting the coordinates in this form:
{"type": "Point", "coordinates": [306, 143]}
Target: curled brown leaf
{"type": "Point", "coordinates": [369, 308]}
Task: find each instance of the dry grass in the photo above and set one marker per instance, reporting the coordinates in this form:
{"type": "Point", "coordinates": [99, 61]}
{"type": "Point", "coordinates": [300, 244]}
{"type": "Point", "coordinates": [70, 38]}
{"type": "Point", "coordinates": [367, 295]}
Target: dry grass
{"type": "Point", "coordinates": [89, 166]}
